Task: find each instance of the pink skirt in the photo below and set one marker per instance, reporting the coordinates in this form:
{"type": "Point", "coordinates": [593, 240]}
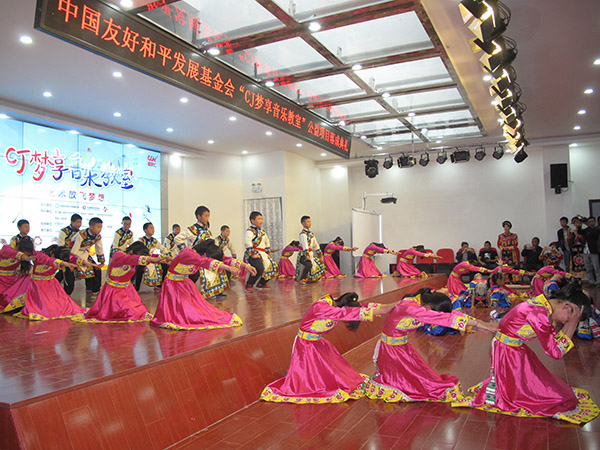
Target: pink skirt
{"type": "Point", "coordinates": [46, 299]}
{"type": "Point", "coordinates": [118, 304]}
{"type": "Point", "coordinates": [286, 268]}
{"type": "Point", "coordinates": [455, 285]}
{"type": "Point", "coordinates": [408, 270]}
{"type": "Point", "coordinates": [367, 269]}
{"type": "Point", "coordinates": [331, 268]}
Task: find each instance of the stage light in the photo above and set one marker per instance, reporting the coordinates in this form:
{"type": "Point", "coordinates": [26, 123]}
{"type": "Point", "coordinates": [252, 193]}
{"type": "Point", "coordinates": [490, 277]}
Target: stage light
{"type": "Point", "coordinates": [520, 156]}
{"type": "Point", "coordinates": [406, 161]}
{"type": "Point", "coordinates": [388, 162]}
{"type": "Point", "coordinates": [497, 61]}
{"type": "Point", "coordinates": [386, 200]}
{"type": "Point", "coordinates": [441, 157]}
{"type": "Point", "coordinates": [371, 169]}
{"type": "Point", "coordinates": [460, 156]}
{"type": "Point", "coordinates": [506, 78]}
{"type": "Point", "coordinates": [498, 152]}
{"type": "Point", "coordinates": [489, 18]}
{"type": "Point", "coordinates": [474, 9]}
{"type": "Point", "coordinates": [424, 159]}
{"type": "Point", "coordinates": [480, 153]}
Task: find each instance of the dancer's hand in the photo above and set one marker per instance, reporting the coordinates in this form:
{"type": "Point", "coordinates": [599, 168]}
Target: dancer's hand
{"type": "Point", "coordinates": [68, 265]}
{"type": "Point", "coordinates": [230, 269]}
{"type": "Point", "coordinates": [487, 326]}
{"type": "Point", "coordinates": [166, 259]}
{"type": "Point", "coordinates": [251, 269]}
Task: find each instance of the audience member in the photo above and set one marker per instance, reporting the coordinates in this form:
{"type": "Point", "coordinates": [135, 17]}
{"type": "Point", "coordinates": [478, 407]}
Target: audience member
{"type": "Point", "coordinates": [565, 240]}
{"type": "Point", "coordinates": [465, 253]}
{"type": "Point", "coordinates": [590, 251]}
{"type": "Point", "coordinates": [531, 255]}
{"type": "Point", "coordinates": [488, 256]}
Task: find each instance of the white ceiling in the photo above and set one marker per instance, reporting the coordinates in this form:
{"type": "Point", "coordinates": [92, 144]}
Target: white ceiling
{"type": "Point", "coordinates": [557, 43]}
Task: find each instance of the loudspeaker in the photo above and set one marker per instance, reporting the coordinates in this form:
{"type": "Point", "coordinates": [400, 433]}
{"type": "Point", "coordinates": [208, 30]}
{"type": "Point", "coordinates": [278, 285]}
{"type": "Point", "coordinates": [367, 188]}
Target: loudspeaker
{"type": "Point", "coordinates": [558, 176]}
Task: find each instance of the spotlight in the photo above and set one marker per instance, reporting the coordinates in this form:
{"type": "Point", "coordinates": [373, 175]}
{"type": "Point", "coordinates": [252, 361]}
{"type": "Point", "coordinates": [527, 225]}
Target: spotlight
{"type": "Point", "coordinates": [460, 156]}
{"type": "Point", "coordinates": [512, 126]}
{"type": "Point", "coordinates": [371, 169]}
{"type": "Point", "coordinates": [489, 18]}
{"type": "Point", "coordinates": [520, 156]}
{"type": "Point", "coordinates": [506, 77]}
{"type": "Point", "coordinates": [389, 200]}
{"type": "Point", "coordinates": [503, 53]}
{"type": "Point", "coordinates": [441, 157]}
{"type": "Point", "coordinates": [480, 153]}
{"type": "Point", "coordinates": [424, 159]}
{"type": "Point", "coordinates": [507, 97]}
{"type": "Point", "coordinates": [498, 152]}
{"type": "Point", "coordinates": [406, 161]}
{"type": "Point", "coordinates": [388, 162]}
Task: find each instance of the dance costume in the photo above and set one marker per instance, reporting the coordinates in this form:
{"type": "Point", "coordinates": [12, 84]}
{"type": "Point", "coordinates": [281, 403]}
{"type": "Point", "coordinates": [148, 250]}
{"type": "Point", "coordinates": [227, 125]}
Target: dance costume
{"type": "Point", "coordinates": [169, 243]}
{"type": "Point", "coordinates": [84, 241]}
{"type": "Point", "coordinates": [366, 266]}
{"type": "Point", "coordinates": [14, 241]}
{"type": "Point", "coordinates": [118, 301]}
{"type": "Point", "coordinates": [181, 306]}
{"type": "Point", "coordinates": [257, 243]}
{"type": "Point", "coordinates": [309, 265]}
{"type": "Point", "coordinates": [519, 384]}
{"type": "Point", "coordinates": [405, 264]}
{"type": "Point", "coordinates": [508, 246]}
{"type": "Point", "coordinates": [285, 267]}
{"type": "Point", "coordinates": [10, 261]}
{"type": "Point", "coordinates": [402, 375]}
{"type": "Point", "coordinates": [331, 268]}
{"type": "Point", "coordinates": [541, 276]}
{"type": "Point", "coordinates": [153, 273]}
{"type": "Point", "coordinates": [455, 285]}
{"type": "Point", "coordinates": [66, 238]}
{"type": "Point", "coordinates": [122, 240]}
{"type": "Point", "coordinates": [224, 243]}
{"type": "Point", "coordinates": [318, 373]}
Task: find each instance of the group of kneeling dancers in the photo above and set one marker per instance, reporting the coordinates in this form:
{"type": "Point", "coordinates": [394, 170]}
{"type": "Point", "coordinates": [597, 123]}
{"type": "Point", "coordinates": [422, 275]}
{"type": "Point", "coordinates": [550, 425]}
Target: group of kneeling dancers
{"type": "Point", "coordinates": [518, 384]}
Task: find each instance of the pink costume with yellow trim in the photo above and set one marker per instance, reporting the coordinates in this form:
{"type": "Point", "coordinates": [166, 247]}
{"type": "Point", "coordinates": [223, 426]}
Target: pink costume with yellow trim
{"type": "Point", "coordinates": [318, 373]}
{"type": "Point", "coordinates": [540, 278]}
{"type": "Point", "coordinates": [118, 301]}
{"type": "Point", "coordinates": [286, 268]}
{"type": "Point", "coordinates": [45, 298]}
{"type": "Point", "coordinates": [181, 306]}
{"type": "Point", "coordinates": [9, 265]}
{"type": "Point", "coordinates": [455, 285]}
{"type": "Point", "coordinates": [519, 384]}
{"type": "Point", "coordinates": [366, 266]}
{"type": "Point", "coordinates": [406, 261]}
{"type": "Point", "coordinates": [402, 375]}
{"type": "Point", "coordinates": [331, 268]}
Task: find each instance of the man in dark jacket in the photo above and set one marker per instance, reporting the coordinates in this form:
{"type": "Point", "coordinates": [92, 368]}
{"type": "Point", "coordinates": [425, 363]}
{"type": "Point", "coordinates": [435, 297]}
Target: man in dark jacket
{"type": "Point", "coordinates": [590, 252]}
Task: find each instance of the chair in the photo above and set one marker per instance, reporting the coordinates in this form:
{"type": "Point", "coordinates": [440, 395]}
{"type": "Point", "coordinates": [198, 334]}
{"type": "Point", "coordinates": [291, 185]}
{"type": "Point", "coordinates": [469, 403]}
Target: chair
{"type": "Point", "coordinates": [445, 263]}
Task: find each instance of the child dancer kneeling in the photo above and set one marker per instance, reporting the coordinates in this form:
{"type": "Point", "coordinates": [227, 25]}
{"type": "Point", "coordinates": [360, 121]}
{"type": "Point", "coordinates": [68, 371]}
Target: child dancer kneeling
{"type": "Point", "coordinates": [181, 306]}
{"type": "Point", "coordinates": [118, 301]}
{"type": "Point", "coordinates": [318, 373]}
{"type": "Point", "coordinates": [402, 375]}
{"type": "Point", "coordinates": [519, 384]}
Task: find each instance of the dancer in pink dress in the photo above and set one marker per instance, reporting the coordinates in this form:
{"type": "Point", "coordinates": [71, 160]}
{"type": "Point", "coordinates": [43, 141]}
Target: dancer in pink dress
{"type": "Point", "coordinates": [543, 275]}
{"type": "Point", "coordinates": [14, 266]}
{"type": "Point", "coordinates": [366, 266]}
{"type": "Point", "coordinates": [331, 268]}
{"type": "Point", "coordinates": [118, 301]}
{"type": "Point", "coordinates": [406, 261]}
{"type": "Point", "coordinates": [455, 285]}
{"type": "Point", "coordinates": [318, 373]}
{"type": "Point", "coordinates": [402, 375]}
{"type": "Point", "coordinates": [45, 298]}
{"type": "Point", "coordinates": [286, 268]}
{"type": "Point", "coordinates": [181, 305]}
{"type": "Point", "coordinates": [519, 384]}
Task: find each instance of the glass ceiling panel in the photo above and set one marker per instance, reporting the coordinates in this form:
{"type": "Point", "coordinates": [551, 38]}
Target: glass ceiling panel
{"type": "Point", "coordinates": [201, 23]}
{"type": "Point", "coordinates": [426, 100]}
{"type": "Point", "coordinates": [391, 35]}
{"type": "Point", "coordinates": [441, 119]}
{"type": "Point", "coordinates": [303, 10]}
{"type": "Point", "coordinates": [397, 139]}
{"type": "Point", "coordinates": [448, 133]}
{"type": "Point", "coordinates": [365, 108]}
{"type": "Point", "coordinates": [376, 127]}
{"type": "Point", "coordinates": [423, 72]}
{"type": "Point", "coordinates": [277, 59]}
{"type": "Point", "coordinates": [335, 86]}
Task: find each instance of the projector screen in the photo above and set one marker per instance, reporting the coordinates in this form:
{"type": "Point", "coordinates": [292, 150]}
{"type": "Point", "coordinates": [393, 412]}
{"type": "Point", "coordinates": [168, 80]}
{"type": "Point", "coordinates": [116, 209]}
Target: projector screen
{"type": "Point", "coordinates": [49, 174]}
{"type": "Point", "coordinates": [366, 228]}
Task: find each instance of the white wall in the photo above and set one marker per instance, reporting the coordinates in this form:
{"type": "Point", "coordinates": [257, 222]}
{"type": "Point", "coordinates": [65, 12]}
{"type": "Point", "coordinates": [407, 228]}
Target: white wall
{"type": "Point", "coordinates": [584, 176]}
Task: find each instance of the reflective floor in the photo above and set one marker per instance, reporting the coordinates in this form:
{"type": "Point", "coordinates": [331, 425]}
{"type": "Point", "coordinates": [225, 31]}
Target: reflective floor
{"type": "Point", "coordinates": [41, 357]}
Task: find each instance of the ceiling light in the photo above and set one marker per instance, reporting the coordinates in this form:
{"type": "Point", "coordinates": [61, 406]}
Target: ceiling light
{"type": "Point", "coordinates": [47, 94]}
{"type": "Point", "coordinates": [342, 123]}
{"type": "Point", "coordinates": [597, 62]}
{"type": "Point", "coordinates": [574, 144]}
{"type": "Point", "coordinates": [488, 19]}
{"type": "Point", "coordinates": [269, 133]}
{"type": "Point", "coordinates": [379, 147]}
{"type": "Point", "coordinates": [498, 152]}
{"type": "Point", "coordinates": [388, 162]}
{"type": "Point", "coordinates": [214, 51]}
{"type": "Point", "coordinates": [244, 152]}
{"type": "Point", "coordinates": [232, 119]}
{"type": "Point", "coordinates": [4, 116]}
{"type": "Point", "coordinates": [117, 114]}
{"type": "Point", "coordinates": [363, 137]}
{"type": "Point", "coordinates": [577, 127]}
{"type": "Point", "coordinates": [581, 112]}
{"type": "Point", "coordinates": [26, 39]}
{"type": "Point", "coordinates": [323, 154]}
{"type": "Point", "coordinates": [411, 114]}
{"type": "Point", "coordinates": [169, 130]}
{"type": "Point", "coordinates": [298, 144]}
{"type": "Point", "coordinates": [73, 132]}
{"type": "Point", "coordinates": [460, 156]}
{"type": "Point", "coordinates": [386, 94]}
{"type": "Point", "coordinates": [439, 141]}
{"type": "Point", "coordinates": [183, 100]}
{"type": "Point", "coordinates": [488, 78]}
{"type": "Point", "coordinates": [424, 159]}
{"type": "Point", "coordinates": [520, 156]}
{"type": "Point", "coordinates": [495, 102]}
{"type": "Point", "coordinates": [117, 74]}
{"type": "Point", "coordinates": [314, 26]}
{"type": "Point", "coordinates": [269, 83]}
{"type": "Point", "coordinates": [371, 169]}
{"type": "Point", "coordinates": [406, 161]}
{"type": "Point", "coordinates": [126, 3]}
{"type": "Point", "coordinates": [588, 91]}
{"type": "Point", "coordinates": [356, 67]}
{"type": "Point", "coordinates": [210, 141]}
{"type": "Point", "coordinates": [424, 130]}
{"type": "Point", "coordinates": [480, 153]}
{"type": "Point", "coordinates": [441, 157]}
